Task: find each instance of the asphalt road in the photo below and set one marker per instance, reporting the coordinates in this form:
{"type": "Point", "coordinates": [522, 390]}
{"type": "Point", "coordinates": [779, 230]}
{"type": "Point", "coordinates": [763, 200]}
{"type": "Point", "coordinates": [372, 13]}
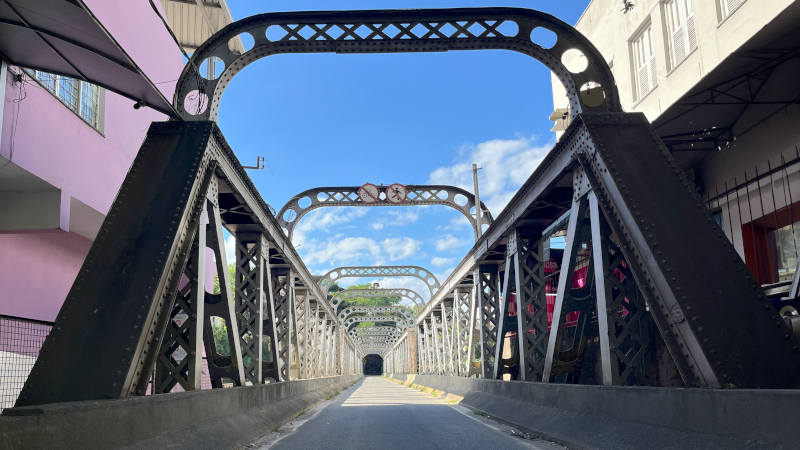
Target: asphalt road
{"type": "Point", "coordinates": [377, 413]}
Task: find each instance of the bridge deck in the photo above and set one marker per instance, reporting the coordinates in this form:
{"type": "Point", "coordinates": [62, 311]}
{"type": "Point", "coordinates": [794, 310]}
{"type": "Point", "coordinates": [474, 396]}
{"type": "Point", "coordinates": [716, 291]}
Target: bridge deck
{"type": "Point", "coordinates": [376, 413]}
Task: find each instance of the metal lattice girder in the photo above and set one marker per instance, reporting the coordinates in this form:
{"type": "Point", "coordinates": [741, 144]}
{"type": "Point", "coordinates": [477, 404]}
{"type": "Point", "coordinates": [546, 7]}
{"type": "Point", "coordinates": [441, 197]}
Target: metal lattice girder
{"type": "Point", "coordinates": [465, 323]}
{"type": "Point", "coordinates": [448, 333]}
{"type": "Point", "coordinates": [569, 299]}
{"type": "Point", "coordinates": [252, 270]}
{"type": "Point", "coordinates": [622, 313]}
{"type": "Point", "coordinates": [301, 330]}
{"type": "Point", "coordinates": [137, 259]}
{"type": "Point", "coordinates": [345, 294]}
{"type": "Point", "coordinates": [380, 271]}
{"type": "Point", "coordinates": [418, 195]}
{"type": "Point", "coordinates": [399, 320]}
{"type": "Point", "coordinates": [420, 30]}
{"type": "Point", "coordinates": [282, 294]}
{"type": "Point", "coordinates": [488, 294]}
{"type": "Point", "coordinates": [525, 275]}
{"type": "Point", "coordinates": [180, 354]}
{"type": "Point", "coordinates": [712, 315]}
{"type": "Point", "coordinates": [375, 331]}
{"type": "Point", "coordinates": [377, 311]}
{"type": "Point", "coordinates": [193, 307]}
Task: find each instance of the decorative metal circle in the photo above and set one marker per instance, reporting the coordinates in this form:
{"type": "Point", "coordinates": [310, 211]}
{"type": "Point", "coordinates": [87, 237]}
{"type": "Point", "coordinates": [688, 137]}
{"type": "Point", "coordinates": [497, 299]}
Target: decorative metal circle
{"type": "Point", "coordinates": [369, 193]}
{"type": "Point", "coordinates": [396, 193]}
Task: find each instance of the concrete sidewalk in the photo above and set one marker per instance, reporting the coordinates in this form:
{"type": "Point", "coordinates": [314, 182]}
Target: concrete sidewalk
{"type": "Point", "coordinates": [377, 413]}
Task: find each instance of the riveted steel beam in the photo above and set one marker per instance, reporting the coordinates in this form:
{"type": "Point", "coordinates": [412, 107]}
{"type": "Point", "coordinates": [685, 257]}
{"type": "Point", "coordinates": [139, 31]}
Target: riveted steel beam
{"type": "Point", "coordinates": [418, 195]}
{"type": "Point", "coordinates": [391, 31]}
{"type": "Point", "coordinates": [340, 296]}
{"type": "Point", "coordinates": [380, 271]}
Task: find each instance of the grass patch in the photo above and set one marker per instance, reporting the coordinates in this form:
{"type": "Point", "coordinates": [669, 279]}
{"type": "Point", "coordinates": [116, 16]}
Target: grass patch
{"type": "Point", "coordinates": [336, 393]}
{"type": "Point", "coordinates": [477, 413]}
{"type": "Point", "coordinates": [302, 413]}
{"type": "Point", "coordinates": [452, 401]}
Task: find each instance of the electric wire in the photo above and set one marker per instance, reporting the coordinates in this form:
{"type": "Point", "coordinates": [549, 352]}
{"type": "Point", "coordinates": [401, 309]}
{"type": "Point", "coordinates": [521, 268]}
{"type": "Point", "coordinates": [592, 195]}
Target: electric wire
{"type": "Point", "coordinates": [22, 94]}
{"type": "Point", "coordinates": [201, 96]}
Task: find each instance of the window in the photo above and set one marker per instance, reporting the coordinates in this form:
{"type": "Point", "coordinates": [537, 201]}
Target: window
{"type": "Point", "coordinates": [644, 63]}
{"type": "Point", "coordinates": [728, 7]}
{"type": "Point", "coordinates": [81, 97]}
{"type": "Point", "coordinates": [682, 36]}
{"type": "Point", "coordinates": [787, 241]}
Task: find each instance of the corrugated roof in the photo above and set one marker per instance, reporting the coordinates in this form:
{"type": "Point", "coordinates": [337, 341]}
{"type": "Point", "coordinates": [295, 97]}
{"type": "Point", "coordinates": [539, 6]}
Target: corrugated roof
{"type": "Point", "coordinates": [194, 21]}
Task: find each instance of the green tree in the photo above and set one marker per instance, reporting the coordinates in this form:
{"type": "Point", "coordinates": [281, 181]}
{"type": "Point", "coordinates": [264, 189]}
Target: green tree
{"type": "Point", "coordinates": [231, 275]}
{"type": "Point", "coordinates": [220, 332]}
{"type": "Point", "coordinates": [218, 328]}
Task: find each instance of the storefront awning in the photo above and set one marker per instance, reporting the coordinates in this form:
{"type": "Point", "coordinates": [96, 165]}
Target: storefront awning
{"type": "Point", "coordinates": [751, 85]}
{"type": "Point", "coordinates": [64, 37]}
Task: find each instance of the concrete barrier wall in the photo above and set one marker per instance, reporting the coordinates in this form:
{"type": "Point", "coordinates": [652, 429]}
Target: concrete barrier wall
{"type": "Point", "coordinates": [615, 418]}
{"type": "Point", "coordinates": [213, 419]}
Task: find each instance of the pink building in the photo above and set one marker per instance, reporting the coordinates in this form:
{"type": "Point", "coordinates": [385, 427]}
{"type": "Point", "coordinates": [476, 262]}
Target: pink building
{"type": "Point", "coordinates": [66, 145]}
{"type": "Point", "coordinates": [65, 148]}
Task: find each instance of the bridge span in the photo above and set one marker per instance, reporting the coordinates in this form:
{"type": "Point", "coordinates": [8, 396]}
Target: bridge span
{"type": "Point", "coordinates": [647, 330]}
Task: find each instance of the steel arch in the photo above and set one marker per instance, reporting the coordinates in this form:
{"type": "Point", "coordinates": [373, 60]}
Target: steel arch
{"type": "Point", "coordinates": [348, 196]}
{"type": "Point", "coordinates": [375, 310]}
{"type": "Point", "coordinates": [380, 271]}
{"type": "Point", "coordinates": [337, 298]}
{"type": "Point", "coordinates": [401, 321]}
{"type": "Point", "coordinates": [374, 331]}
{"type": "Point", "coordinates": [392, 31]}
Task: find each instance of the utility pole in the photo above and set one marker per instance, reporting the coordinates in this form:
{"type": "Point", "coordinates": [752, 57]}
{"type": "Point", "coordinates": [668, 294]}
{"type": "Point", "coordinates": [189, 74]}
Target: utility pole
{"type": "Point", "coordinates": [478, 209]}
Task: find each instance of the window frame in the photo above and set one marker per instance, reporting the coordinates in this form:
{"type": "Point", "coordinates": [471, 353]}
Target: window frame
{"type": "Point", "coordinates": [723, 11]}
{"type": "Point", "coordinates": [73, 99]}
{"type": "Point", "coordinates": [637, 47]}
{"type": "Point", "coordinates": [678, 17]}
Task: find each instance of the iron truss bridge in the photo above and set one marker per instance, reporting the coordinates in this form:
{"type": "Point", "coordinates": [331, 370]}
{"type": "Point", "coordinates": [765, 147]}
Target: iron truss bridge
{"type": "Point", "coordinates": [637, 290]}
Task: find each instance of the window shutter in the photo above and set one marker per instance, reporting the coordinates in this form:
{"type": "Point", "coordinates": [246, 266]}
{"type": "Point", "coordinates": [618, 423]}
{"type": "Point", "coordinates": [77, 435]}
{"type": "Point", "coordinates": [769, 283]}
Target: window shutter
{"type": "Point", "coordinates": [645, 64]}
{"type": "Point", "coordinates": [729, 6]}
{"type": "Point", "coordinates": [653, 73]}
{"type": "Point", "coordinates": [691, 34]}
{"type": "Point", "coordinates": [644, 83]}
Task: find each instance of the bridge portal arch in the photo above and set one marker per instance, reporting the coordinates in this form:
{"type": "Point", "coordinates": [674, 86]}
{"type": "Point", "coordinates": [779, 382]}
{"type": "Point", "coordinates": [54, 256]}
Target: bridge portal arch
{"type": "Point", "coordinates": [377, 311]}
{"type": "Point", "coordinates": [459, 199]}
{"type": "Point", "coordinates": [339, 297]}
{"type": "Point", "coordinates": [590, 88]}
{"type": "Point", "coordinates": [423, 274]}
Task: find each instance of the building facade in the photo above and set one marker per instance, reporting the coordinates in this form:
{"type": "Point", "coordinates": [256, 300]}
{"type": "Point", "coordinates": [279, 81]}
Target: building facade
{"type": "Point", "coordinates": [717, 79]}
{"type": "Point", "coordinates": [65, 149]}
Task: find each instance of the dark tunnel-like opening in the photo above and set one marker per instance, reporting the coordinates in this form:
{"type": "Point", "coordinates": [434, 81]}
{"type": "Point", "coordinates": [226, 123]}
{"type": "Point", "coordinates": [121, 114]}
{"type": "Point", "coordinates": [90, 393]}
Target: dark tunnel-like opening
{"type": "Point", "coordinates": [373, 365]}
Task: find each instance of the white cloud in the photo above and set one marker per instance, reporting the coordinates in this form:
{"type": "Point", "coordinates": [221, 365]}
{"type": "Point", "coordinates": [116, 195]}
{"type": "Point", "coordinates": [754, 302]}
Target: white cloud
{"type": "Point", "coordinates": [339, 250]}
{"type": "Point", "coordinates": [398, 248]}
{"type": "Point", "coordinates": [449, 242]}
{"type": "Point", "coordinates": [506, 165]}
{"type": "Point", "coordinates": [439, 261]}
{"type": "Point", "coordinates": [324, 219]}
{"type": "Point", "coordinates": [395, 218]}
{"type": "Point", "coordinates": [415, 284]}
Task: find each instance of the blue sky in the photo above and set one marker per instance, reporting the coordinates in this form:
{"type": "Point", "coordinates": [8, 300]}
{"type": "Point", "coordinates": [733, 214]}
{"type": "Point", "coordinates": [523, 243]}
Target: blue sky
{"type": "Point", "coordinates": [345, 120]}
